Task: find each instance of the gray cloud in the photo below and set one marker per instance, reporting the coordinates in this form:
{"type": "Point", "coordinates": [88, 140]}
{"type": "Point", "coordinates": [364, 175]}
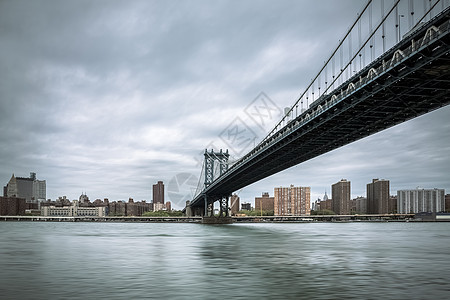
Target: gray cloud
{"type": "Point", "coordinates": [108, 97]}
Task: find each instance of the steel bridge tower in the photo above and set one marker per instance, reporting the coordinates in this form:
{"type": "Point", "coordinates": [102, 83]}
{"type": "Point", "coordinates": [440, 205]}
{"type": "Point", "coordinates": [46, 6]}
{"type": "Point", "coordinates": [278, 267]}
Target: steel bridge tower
{"type": "Point", "coordinates": [215, 160]}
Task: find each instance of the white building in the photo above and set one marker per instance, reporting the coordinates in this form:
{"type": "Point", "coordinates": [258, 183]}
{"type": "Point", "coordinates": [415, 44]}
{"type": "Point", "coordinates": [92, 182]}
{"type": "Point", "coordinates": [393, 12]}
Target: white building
{"type": "Point", "coordinates": [420, 200]}
{"type": "Point", "coordinates": [361, 205]}
{"type": "Point", "coordinates": [159, 206]}
{"type": "Point", "coordinates": [73, 211]}
{"type": "Point", "coordinates": [39, 190]}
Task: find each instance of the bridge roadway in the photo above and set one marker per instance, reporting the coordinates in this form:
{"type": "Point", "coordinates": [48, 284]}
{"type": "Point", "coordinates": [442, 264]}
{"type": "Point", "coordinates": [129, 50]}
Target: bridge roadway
{"type": "Point", "coordinates": [409, 80]}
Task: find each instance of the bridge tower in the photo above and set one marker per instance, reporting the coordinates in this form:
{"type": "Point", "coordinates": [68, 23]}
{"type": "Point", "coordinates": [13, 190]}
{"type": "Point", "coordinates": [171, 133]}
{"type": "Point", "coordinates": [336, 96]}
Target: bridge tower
{"type": "Point", "coordinates": [210, 159]}
{"type": "Point", "coordinates": [213, 160]}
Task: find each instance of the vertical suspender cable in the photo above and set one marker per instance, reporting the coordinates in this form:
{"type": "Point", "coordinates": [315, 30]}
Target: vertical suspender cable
{"type": "Point", "coordinates": [411, 13]}
{"type": "Point", "coordinates": [383, 31]}
{"type": "Point", "coordinates": [359, 43]}
{"type": "Point", "coordinates": [397, 34]}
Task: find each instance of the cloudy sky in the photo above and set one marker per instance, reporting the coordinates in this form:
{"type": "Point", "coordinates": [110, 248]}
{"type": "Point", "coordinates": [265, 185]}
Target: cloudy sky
{"type": "Point", "coordinates": [108, 97]}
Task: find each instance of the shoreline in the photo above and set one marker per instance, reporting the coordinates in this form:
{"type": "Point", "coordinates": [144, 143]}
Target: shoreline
{"type": "Point", "coordinates": [253, 219]}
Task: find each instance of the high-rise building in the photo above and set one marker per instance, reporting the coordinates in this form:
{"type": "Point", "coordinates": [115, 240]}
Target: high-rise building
{"type": "Point", "coordinates": [234, 204]}
{"type": "Point", "coordinates": [158, 192]}
{"type": "Point", "coordinates": [420, 200]}
{"type": "Point", "coordinates": [447, 203]}
{"type": "Point", "coordinates": [340, 193]}
{"type": "Point", "coordinates": [392, 204]}
{"type": "Point", "coordinates": [292, 201]}
{"type": "Point", "coordinates": [378, 197]}
{"type": "Point", "coordinates": [265, 202]}
{"type": "Point", "coordinates": [31, 189]}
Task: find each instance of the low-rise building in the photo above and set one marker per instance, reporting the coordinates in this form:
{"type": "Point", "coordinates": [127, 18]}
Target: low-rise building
{"type": "Point", "coordinates": [246, 206]}
{"type": "Point", "coordinates": [393, 204]}
{"type": "Point", "coordinates": [360, 205]}
{"type": "Point", "coordinates": [75, 210]}
{"type": "Point", "coordinates": [324, 204]}
{"type": "Point", "coordinates": [12, 206]}
{"type": "Point", "coordinates": [265, 202]}
{"type": "Point", "coordinates": [158, 206]}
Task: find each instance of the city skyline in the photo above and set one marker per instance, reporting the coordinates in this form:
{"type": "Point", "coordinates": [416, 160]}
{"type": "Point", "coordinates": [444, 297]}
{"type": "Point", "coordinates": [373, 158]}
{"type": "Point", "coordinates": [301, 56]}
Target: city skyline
{"type": "Point", "coordinates": [109, 99]}
{"type": "Point", "coordinates": [159, 195]}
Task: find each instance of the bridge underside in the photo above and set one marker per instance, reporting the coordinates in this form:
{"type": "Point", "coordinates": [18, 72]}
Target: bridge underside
{"type": "Point", "coordinates": [418, 84]}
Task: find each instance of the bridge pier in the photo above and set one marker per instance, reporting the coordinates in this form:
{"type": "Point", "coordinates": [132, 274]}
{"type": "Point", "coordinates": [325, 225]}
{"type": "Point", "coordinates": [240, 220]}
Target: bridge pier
{"type": "Point", "coordinates": [224, 211]}
{"type": "Point", "coordinates": [195, 211]}
{"type": "Point", "coordinates": [198, 211]}
{"type": "Point", "coordinates": [223, 217]}
{"type": "Point", "coordinates": [188, 212]}
{"type": "Point", "coordinates": [210, 211]}
{"type": "Point", "coordinates": [217, 220]}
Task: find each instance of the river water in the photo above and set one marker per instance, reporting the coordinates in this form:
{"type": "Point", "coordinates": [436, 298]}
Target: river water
{"type": "Point", "coordinates": [243, 261]}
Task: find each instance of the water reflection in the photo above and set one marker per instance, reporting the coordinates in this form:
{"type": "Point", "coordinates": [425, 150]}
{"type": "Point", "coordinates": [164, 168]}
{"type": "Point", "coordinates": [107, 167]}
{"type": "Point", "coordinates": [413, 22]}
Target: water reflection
{"type": "Point", "coordinates": [249, 261]}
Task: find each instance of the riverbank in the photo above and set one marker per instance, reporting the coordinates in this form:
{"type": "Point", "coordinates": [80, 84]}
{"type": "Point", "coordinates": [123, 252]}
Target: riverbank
{"type": "Point", "coordinates": [254, 219]}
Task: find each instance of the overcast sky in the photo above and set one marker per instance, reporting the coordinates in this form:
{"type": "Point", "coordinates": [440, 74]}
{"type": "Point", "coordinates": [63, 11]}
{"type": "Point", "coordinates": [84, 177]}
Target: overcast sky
{"type": "Point", "coordinates": [108, 97]}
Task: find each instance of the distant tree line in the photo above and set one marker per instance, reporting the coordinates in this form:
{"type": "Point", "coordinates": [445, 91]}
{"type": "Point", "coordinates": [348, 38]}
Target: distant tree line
{"type": "Point", "coordinates": [255, 213]}
{"type": "Point", "coordinates": [163, 213]}
{"type": "Point", "coordinates": [322, 212]}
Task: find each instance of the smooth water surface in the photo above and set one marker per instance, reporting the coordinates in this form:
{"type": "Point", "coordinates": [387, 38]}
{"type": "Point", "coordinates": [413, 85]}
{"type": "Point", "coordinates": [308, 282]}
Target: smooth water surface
{"type": "Point", "coordinates": [247, 261]}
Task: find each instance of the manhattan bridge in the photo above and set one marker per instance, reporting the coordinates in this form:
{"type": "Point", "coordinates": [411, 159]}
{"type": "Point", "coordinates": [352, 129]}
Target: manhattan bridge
{"type": "Point", "coordinates": [391, 65]}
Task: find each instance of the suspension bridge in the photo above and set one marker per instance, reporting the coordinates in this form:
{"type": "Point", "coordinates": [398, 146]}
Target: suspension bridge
{"type": "Point", "coordinates": [392, 65]}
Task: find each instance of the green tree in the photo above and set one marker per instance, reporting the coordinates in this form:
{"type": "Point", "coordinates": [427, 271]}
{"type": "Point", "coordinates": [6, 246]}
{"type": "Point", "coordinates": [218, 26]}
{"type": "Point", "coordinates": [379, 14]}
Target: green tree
{"type": "Point", "coordinates": [322, 212]}
{"type": "Point", "coordinates": [254, 213]}
{"type": "Point", "coordinates": [163, 213]}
